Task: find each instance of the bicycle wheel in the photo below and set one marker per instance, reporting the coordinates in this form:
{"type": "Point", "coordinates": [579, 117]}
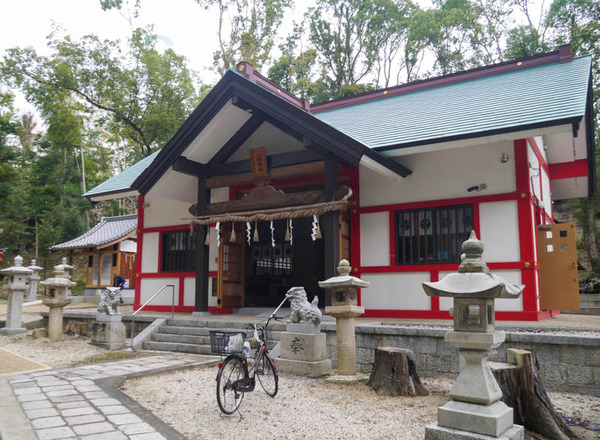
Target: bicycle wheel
{"type": "Point", "coordinates": [267, 375]}
{"type": "Point", "coordinates": [229, 399]}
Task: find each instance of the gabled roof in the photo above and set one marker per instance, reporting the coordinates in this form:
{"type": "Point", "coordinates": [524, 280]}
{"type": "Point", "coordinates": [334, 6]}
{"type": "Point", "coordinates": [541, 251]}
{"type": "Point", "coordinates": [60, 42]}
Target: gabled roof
{"type": "Point", "coordinates": [550, 94]}
{"type": "Point", "coordinates": [540, 91]}
{"type": "Point", "coordinates": [122, 182]}
{"type": "Point", "coordinates": [280, 111]}
{"type": "Point", "coordinates": [110, 230]}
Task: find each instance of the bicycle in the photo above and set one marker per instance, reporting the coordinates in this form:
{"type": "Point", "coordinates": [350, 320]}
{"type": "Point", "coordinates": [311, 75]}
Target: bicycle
{"type": "Point", "coordinates": [234, 377]}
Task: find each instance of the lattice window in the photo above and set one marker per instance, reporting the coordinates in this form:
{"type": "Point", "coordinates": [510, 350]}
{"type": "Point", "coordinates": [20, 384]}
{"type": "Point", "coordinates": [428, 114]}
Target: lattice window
{"type": "Point", "coordinates": [433, 235]}
{"type": "Point", "coordinates": [178, 251]}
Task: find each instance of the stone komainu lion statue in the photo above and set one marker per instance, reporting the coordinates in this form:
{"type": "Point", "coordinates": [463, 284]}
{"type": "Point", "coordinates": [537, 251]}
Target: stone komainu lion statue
{"type": "Point", "coordinates": [303, 312]}
{"type": "Point", "coordinates": [110, 300]}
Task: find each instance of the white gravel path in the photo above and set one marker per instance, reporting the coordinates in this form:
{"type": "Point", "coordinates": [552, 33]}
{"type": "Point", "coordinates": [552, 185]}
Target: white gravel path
{"type": "Point", "coordinates": [308, 408]}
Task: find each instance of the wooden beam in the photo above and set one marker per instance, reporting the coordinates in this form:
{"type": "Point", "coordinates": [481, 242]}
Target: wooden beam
{"type": "Point", "coordinates": [330, 224]}
{"type": "Point", "coordinates": [277, 173]}
{"type": "Point", "coordinates": [237, 139]}
{"type": "Point", "coordinates": [202, 255]}
{"type": "Point", "coordinates": [273, 161]}
{"type": "Point", "coordinates": [190, 167]}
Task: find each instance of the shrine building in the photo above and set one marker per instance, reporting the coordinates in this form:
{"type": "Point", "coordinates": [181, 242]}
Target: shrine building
{"type": "Point", "coordinates": [393, 180]}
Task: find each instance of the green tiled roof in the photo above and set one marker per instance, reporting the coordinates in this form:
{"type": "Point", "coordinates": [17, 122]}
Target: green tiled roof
{"type": "Point", "coordinates": [527, 97]}
{"type": "Point", "coordinates": [122, 182]}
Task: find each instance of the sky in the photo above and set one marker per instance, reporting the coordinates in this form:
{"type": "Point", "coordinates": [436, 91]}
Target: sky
{"type": "Point", "coordinates": [188, 28]}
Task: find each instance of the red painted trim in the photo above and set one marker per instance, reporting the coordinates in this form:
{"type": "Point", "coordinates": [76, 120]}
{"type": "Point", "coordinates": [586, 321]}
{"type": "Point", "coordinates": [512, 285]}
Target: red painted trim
{"type": "Point", "coordinates": [163, 308]}
{"type": "Point", "coordinates": [213, 273]}
{"type": "Point", "coordinates": [434, 276]}
{"type": "Point", "coordinates": [507, 265]}
{"type": "Point", "coordinates": [138, 258]}
{"type": "Point", "coordinates": [569, 170]}
{"type": "Point", "coordinates": [168, 275]}
{"type": "Point", "coordinates": [442, 314]}
{"type": "Point", "coordinates": [392, 228]}
{"type": "Point", "coordinates": [538, 153]}
{"type": "Point", "coordinates": [167, 228]}
{"type": "Point", "coordinates": [526, 234]}
{"type": "Point", "coordinates": [217, 311]}
{"type": "Point", "coordinates": [476, 219]}
{"type": "Point", "coordinates": [438, 203]}
{"type": "Point", "coordinates": [160, 254]}
{"type": "Point", "coordinates": [355, 257]}
{"type": "Point", "coordinates": [181, 291]}
{"type": "Point", "coordinates": [409, 268]}
{"type": "Point", "coordinates": [407, 314]}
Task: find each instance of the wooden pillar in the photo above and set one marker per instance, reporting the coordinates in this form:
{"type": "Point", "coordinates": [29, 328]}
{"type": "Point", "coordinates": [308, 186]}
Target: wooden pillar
{"type": "Point", "coordinates": [201, 300]}
{"type": "Point", "coordinates": [330, 224]}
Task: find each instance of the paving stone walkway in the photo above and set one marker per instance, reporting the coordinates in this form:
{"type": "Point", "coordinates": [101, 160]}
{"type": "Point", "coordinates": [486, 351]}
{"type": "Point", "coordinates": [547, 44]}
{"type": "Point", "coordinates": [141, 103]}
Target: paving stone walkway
{"type": "Point", "coordinates": [84, 402]}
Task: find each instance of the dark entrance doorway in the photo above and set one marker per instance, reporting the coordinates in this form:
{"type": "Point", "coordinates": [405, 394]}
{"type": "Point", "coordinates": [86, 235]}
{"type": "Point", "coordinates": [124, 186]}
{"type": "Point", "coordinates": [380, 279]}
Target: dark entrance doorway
{"type": "Point", "coordinates": [271, 271]}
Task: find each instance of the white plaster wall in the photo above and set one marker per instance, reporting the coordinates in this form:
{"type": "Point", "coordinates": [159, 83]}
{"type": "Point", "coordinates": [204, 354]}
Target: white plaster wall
{"type": "Point", "coordinates": [150, 253]}
{"type": "Point", "coordinates": [270, 136]}
{"type": "Point", "coordinates": [189, 291]}
{"type": "Point", "coordinates": [443, 174]}
{"type": "Point", "coordinates": [499, 226]}
{"type": "Point", "coordinates": [534, 173]}
{"type": "Point", "coordinates": [213, 251]}
{"type": "Point", "coordinates": [502, 304]}
{"type": "Point", "coordinates": [397, 291]}
{"type": "Point", "coordinates": [509, 304]}
{"type": "Point", "coordinates": [165, 212]}
{"type": "Point", "coordinates": [152, 285]}
{"type": "Point", "coordinates": [547, 193]}
{"type": "Point", "coordinates": [375, 239]}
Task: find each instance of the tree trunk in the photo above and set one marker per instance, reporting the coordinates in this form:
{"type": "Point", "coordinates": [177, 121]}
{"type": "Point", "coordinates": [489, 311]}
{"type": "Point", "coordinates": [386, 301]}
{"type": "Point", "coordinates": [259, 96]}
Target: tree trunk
{"type": "Point", "coordinates": [523, 390]}
{"type": "Point", "coordinates": [395, 373]}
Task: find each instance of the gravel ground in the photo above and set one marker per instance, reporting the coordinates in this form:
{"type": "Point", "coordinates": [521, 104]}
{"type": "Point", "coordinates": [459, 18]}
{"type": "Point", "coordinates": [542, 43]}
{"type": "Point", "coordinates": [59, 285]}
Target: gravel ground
{"type": "Point", "coordinates": [56, 354]}
{"type": "Point", "coordinates": [309, 408]}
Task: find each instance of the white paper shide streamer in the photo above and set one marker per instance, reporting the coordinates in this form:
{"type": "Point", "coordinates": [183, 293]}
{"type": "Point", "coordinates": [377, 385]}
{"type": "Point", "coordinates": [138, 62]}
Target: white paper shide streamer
{"type": "Point", "coordinates": [248, 232]}
{"type": "Point", "coordinates": [218, 228]}
{"type": "Point", "coordinates": [272, 234]}
{"type": "Point", "coordinates": [291, 233]}
{"type": "Point", "coordinates": [315, 226]}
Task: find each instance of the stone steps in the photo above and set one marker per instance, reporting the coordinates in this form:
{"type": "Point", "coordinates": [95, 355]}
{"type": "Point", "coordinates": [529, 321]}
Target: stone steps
{"type": "Point", "coordinates": [193, 336]}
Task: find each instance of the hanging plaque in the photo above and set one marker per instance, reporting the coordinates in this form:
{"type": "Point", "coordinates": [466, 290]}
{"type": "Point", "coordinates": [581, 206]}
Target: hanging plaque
{"type": "Point", "coordinates": [258, 159]}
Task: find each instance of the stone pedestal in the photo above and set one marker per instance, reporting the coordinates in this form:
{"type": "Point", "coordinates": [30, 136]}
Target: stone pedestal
{"type": "Point", "coordinates": [345, 317]}
{"type": "Point", "coordinates": [55, 316]}
{"type": "Point", "coordinates": [14, 314]}
{"type": "Point", "coordinates": [108, 332]}
{"type": "Point", "coordinates": [303, 351]}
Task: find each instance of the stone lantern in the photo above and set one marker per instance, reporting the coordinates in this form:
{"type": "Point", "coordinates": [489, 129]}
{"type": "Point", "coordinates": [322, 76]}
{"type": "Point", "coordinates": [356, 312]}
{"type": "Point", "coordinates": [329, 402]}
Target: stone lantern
{"type": "Point", "coordinates": [33, 280]}
{"type": "Point", "coordinates": [18, 284]}
{"type": "Point", "coordinates": [344, 307]}
{"type": "Point", "coordinates": [475, 409]}
{"type": "Point", "coordinates": [56, 300]}
{"type": "Point", "coordinates": [66, 268]}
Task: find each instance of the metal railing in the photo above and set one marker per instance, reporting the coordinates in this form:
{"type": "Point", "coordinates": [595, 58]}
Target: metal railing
{"type": "Point", "coordinates": [172, 286]}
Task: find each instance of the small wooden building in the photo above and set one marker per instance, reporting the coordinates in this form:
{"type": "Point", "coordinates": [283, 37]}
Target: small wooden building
{"type": "Point", "coordinates": [110, 248]}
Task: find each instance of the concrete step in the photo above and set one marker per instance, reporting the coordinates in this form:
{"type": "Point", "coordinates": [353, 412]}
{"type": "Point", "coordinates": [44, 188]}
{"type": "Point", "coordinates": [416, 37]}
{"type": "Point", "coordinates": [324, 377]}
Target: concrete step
{"type": "Point", "coordinates": [178, 347]}
{"type": "Point", "coordinates": [185, 339]}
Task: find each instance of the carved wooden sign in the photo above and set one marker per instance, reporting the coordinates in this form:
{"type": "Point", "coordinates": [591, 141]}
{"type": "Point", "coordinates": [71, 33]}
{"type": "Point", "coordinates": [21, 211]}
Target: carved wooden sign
{"type": "Point", "coordinates": [258, 159]}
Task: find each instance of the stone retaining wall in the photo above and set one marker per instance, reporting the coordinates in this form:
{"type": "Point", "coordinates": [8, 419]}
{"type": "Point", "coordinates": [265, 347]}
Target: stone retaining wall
{"type": "Point", "coordinates": [569, 362]}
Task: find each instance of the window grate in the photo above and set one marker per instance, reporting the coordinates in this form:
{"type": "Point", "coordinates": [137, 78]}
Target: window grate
{"type": "Point", "coordinates": [178, 251]}
{"type": "Point", "coordinates": [432, 235]}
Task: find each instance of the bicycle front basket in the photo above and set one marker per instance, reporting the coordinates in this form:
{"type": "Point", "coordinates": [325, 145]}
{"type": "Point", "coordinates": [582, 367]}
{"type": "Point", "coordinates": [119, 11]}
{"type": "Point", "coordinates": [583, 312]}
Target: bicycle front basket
{"type": "Point", "coordinates": [226, 342]}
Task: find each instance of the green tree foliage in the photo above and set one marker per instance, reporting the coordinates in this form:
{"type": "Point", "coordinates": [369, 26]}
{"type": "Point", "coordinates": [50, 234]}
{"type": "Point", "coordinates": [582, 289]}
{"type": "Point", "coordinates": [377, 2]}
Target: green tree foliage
{"type": "Point", "coordinates": [247, 30]}
{"type": "Point", "coordinates": [139, 97]}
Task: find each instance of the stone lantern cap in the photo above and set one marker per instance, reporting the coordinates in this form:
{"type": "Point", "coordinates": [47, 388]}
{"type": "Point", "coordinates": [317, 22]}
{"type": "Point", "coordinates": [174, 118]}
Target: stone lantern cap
{"type": "Point", "coordinates": [64, 264]}
{"type": "Point", "coordinates": [473, 279]}
{"type": "Point", "coordinates": [34, 267]}
{"type": "Point", "coordinates": [344, 279]}
{"type": "Point", "coordinates": [18, 268]}
{"type": "Point", "coordinates": [58, 282]}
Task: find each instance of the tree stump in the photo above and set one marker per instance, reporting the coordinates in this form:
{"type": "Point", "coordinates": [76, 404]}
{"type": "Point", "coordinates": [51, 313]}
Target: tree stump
{"type": "Point", "coordinates": [395, 373]}
{"type": "Point", "coordinates": [523, 390]}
